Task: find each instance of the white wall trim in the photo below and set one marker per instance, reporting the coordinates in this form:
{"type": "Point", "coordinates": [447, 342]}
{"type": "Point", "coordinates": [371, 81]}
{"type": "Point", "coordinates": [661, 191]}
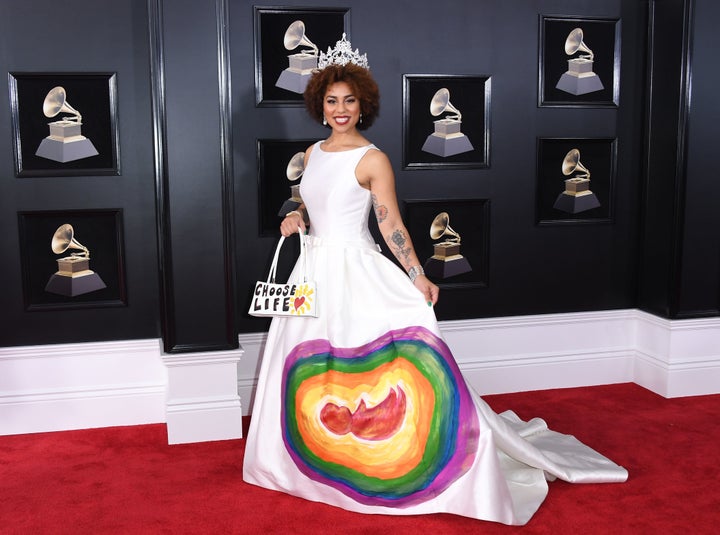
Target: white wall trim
{"type": "Point", "coordinates": [677, 358]}
{"type": "Point", "coordinates": [522, 353]}
{"type": "Point", "coordinates": [202, 396]}
{"type": "Point", "coordinates": [76, 386]}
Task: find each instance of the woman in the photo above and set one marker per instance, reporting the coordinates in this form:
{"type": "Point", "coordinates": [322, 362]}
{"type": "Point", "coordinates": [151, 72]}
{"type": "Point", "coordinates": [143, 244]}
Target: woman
{"type": "Point", "coordinates": [336, 95]}
{"type": "Point", "coordinates": [364, 406]}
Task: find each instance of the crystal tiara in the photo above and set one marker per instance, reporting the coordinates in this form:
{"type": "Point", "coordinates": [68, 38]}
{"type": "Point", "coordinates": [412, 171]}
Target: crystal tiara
{"type": "Point", "coordinates": [342, 54]}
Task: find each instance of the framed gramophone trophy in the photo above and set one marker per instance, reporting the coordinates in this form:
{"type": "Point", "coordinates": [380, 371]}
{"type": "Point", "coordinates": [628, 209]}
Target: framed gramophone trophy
{"type": "Point", "coordinates": [294, 170]}
{"type": "Point", "coordinates": [281, 78]}
{"type": "Point", "coordinates": [446, 261]}
{"type": "Point", "coordinates": [65, 124]}
{"type": "Point", "coordinates": [301, 64]}
{"type": "Point", "coordinates": [577, 196]}
{"type": "Point", "coordinates": [575, 180]}
{"type": "Point", "coordinates": [280, 167]}
{"type": "Point", "coordinates": [579, 78]}
{"type": "Point", "coordinates": [74, 276]}
{"type": "Point", "coordinates": [65, 142]}
{"type": "Point", "coordinates": [437, 133]}
{"type": "Point", "coordinates": [72, 258]}
{"type": "Point", "coordinates": [447, 138]}
{"type": "Point", "coordinates": [579, 62]}
{"type": "Point", "coordinates": [449, 260]}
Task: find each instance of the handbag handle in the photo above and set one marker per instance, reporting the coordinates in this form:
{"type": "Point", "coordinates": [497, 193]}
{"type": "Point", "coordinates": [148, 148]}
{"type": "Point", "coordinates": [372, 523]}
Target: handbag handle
{"type": "Point", "coordinates": [273, 266]}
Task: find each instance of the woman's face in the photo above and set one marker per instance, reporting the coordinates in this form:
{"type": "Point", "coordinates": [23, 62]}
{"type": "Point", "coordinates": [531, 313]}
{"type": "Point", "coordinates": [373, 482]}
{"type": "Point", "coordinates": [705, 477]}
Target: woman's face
{"type": "Point", "coordinates": [341, 107]}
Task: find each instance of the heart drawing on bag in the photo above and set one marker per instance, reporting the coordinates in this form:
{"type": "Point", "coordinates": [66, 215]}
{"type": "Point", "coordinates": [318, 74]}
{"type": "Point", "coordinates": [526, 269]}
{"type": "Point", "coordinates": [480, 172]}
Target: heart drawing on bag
{"type": "Point", "coordinates": [301, 301]}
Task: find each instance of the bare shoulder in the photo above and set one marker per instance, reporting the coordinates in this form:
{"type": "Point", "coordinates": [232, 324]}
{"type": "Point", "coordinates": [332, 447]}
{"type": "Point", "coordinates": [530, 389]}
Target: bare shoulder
{"type": "Point", "coordinates": [373, 167]}
{"type": "Point", "coordinates": [307, 154]}
{"type": "Point", "coordinates": [375, 157]}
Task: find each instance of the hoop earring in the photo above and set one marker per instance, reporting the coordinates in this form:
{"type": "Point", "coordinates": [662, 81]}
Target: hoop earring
{"type": "Point", "coordinates": [324, 121]}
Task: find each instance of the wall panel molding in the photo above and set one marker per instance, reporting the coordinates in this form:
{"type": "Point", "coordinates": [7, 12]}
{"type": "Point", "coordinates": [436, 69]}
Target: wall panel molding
{"type": "Point", "coordinates": [193, 174]}
{"type": "Point", "coordinates": [665, 161]}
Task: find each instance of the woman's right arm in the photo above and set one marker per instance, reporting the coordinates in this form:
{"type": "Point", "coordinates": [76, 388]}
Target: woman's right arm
{"type": "Point", "coordinates": [293, 220]}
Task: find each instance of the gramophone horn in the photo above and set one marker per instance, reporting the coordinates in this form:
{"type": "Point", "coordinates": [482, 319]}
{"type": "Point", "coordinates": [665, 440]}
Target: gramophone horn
{"type": "Point", "coordinates": [440, 103]}
{"type": "Point", "coordinates": [55, 102]}
{"type": "Point", "coordinates": [574, 42]}
{"type": "Point", "coordinates": [295, 36]}
{"type": "Point", "coordinates": [296, 166]}
{"type": "Point", "coordinates": [571, 163]}
{"type": "Point", "coordinates": [441, 227]}
{"type": "Point", "coordinates": [63, 240]}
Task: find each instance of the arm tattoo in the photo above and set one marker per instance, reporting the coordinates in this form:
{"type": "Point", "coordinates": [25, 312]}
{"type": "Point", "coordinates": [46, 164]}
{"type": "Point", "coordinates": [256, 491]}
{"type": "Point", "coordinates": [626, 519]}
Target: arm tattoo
{"type": "Point", "coordinates": [399, 246]}
{"type": "Point", "coordinates": [381, 211]}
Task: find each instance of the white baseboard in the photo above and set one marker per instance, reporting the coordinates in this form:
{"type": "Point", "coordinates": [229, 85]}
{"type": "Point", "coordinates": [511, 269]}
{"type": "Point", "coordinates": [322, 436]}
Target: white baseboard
{"type": "Point", "coordinates": [677, 358]}
{"type": "Point", "coordinates": [79, 386]}
{"type": "Point", "coordinates": [203, 396]}
{"type": "Point", "coordinates": [524, 353]}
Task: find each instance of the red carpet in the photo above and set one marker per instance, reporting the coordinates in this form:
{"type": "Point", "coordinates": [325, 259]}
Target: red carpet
{"type": "Point", "coordinates": [128, 480]}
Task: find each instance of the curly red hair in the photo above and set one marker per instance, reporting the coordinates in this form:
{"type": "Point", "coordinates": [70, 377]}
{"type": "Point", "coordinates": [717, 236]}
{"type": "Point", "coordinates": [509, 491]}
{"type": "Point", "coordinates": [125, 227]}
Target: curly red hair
{"type": "Point", "coordinates": [361, 83]}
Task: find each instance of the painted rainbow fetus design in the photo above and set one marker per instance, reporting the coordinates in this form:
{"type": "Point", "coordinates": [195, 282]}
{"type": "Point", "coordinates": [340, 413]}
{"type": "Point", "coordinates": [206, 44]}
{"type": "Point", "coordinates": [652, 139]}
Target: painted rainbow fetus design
{"type": "Point", "coordinates": [377, 423]}
{"type": "Point", "coordinates": [390, 423]}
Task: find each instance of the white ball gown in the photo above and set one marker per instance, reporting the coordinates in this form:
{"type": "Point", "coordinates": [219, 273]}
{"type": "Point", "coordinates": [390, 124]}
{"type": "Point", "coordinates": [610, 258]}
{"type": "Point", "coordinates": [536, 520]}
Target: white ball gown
{"type": "Point", "coordinates": [364, 407]}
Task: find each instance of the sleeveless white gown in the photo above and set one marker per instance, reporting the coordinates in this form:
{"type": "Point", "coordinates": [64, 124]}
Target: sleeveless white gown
{"type": "Point", "coordinates": [364, 406]}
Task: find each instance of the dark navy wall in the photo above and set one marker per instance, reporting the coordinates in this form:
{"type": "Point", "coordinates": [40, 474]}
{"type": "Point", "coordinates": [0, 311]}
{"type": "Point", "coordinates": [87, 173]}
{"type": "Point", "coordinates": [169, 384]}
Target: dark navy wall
{"type": "Point", "coordinates": [82, 36]}
{"type": "Point", "coordinates": [700, 279]}
{"type": "Point", "coordinates": [679, 275]}
{"type": "Point", "coordinates": [189, 127]}
{"type": "Point", "coordinates": [532, 269]}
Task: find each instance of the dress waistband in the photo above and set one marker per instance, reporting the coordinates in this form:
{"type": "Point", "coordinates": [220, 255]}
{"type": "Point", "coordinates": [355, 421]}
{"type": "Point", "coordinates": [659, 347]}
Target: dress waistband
{"type": "Point", "coordinates": [315, 241]}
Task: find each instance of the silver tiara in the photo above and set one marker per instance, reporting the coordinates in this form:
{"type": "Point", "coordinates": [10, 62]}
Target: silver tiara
{"type": "Point", "coordinates": [342, 54]}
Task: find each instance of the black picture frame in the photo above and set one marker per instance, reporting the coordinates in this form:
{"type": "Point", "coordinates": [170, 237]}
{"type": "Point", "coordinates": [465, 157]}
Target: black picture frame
{"type": "Point", "coordinates": [324, 27]}
{"type": "Point", "coordinates": [273, 157]}
{"type": "Point", "coordinates": [599, 157]}
{"type": "Point", "coordinates": [101, 231]}
{"type": "Point", "coordinates": [468, 217]}
{"type": "Point", "coordinates": [468, 93]}
{"type": "Point", "coordinates": [602, 36]}
{"type": "Point", "coordinates": [93, 95]}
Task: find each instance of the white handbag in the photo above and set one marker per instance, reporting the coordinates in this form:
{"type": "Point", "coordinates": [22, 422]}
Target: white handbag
{"type": "Point", "coordinates": [294, 298]}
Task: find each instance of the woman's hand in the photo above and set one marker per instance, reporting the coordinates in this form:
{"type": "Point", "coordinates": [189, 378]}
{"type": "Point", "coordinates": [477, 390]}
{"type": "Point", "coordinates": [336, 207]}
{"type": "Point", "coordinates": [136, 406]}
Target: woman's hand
{"type": "Point", "coordinates": [427, 288]}
{"type": "Point", "coordinates": [291, 223]}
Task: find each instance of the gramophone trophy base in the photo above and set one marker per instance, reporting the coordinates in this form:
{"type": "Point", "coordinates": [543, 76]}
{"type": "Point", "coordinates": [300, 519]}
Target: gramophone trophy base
{"type": "Point", "coordinates": [293, 202]}
{"type": "Point", "coordinates": [295, 78]}
{"type": "Point", "coordinates": [74, 278]}
{"type": "Point", "coordinates": [445, 146]}
{"type": "Point", "coordinates": [65, 143]}
{"type": "Point", "coordinates": [293, 81]}
{"type": "Point", "coordinates": [442, 268]}
{"type": "Point", "coordinates": [574, 204]}
{"type": "Point", "coordinates": [446, 261]}
{"type": "Point", "coordinates": [579, 78]}
{"type": "Point", "coordinates": [288, 206]}
{"type": "Point", "coordinates": [74, 286]}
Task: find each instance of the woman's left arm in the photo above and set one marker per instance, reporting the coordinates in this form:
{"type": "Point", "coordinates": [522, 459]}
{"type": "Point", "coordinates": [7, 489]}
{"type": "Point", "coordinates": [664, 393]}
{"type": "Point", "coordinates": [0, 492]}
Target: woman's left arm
{"type": "Point", "coordinates": [375, 173]}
